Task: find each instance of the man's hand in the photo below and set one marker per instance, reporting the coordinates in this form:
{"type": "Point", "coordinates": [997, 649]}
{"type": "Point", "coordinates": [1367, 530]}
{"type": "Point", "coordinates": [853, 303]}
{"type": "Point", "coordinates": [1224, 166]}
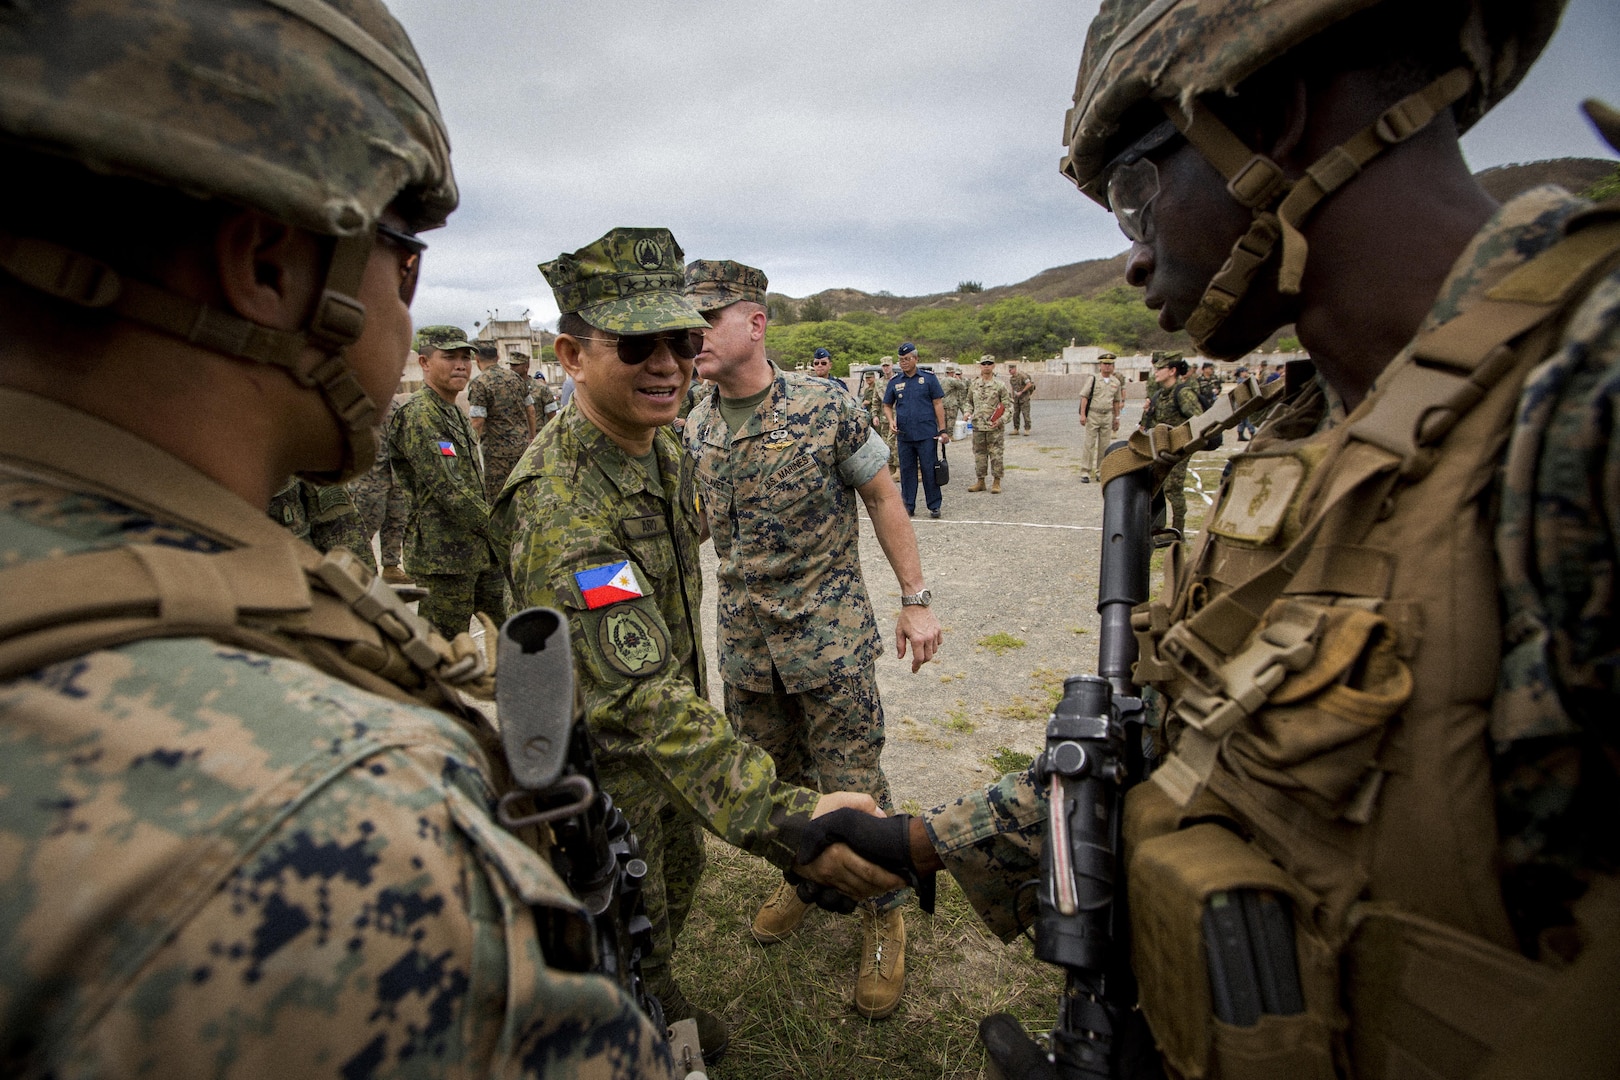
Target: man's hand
{"type": "Point", "coordinates": [917, 628]}
{"type": "Point", "coordinates": [840, 867]}
{"type": "Point", "coordinates": [888, 841]}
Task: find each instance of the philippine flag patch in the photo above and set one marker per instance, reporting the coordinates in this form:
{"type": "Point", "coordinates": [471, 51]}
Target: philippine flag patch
{"type": "Point", "coordinates": [447, 448]}
{"type": "Point", "coordinates": [604, 585]}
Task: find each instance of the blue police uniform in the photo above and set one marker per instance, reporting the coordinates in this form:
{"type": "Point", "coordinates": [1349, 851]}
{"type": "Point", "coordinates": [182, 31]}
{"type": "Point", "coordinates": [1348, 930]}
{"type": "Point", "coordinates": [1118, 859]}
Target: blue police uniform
{"type": "Point", "coordinates": [916, 428]}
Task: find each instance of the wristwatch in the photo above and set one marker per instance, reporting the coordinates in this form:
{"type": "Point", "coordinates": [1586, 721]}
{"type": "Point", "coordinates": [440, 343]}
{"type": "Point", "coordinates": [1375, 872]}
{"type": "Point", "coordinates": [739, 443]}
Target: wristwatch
{"type": "Point", "coordinates": [922, 599]}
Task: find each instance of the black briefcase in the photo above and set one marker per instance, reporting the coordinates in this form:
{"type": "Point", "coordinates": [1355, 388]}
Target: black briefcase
{"type": "Point", "coordinates": [942, 466]}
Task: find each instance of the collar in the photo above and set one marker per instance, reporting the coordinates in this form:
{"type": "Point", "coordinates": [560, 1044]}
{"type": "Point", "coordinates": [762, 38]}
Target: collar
{"type": "Point", "coordinates": [623, 471]}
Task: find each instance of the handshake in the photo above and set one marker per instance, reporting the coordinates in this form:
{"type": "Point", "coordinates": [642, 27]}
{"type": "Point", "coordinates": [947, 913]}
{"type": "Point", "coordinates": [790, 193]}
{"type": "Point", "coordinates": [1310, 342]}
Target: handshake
{"type": "Point", "coordinates": [849, 850]}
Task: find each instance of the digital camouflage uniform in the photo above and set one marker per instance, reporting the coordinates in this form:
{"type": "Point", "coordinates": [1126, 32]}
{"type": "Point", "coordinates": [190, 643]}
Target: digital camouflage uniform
{"type": "Point", "coordinates": [576, 502]}
{"type": "Point", "coordinates": [545, 404]}
{"type": "Point", "coordinates": [322, 516]}
{"type": "Point", "coordinates": [449, 549]}
{"type": "Point", "coordinates": [1099, 431]}
{"type": "Point", "coordinates": [1209, 388]}
{"type": "Point", "coordinates": [381, 503]}
{"type": "Point", "coordinates": [955, 400]}
{"type": "Point", "coordinates": [225, 862]}
{"type": "Point", "coordinates": [1171, 405]}
{"type": "Point", "coordinates": [798, 640]}
{"type": "Point", "coordinates": [503, 399]}
{"type": "Point", "coordinates": [988, 443]}
{"type": "Point", "coordinates": [1023, 398]}
{"type": "Point", "coordinates": [872, 402]}
{"type": "Point", "coordinates": [1549, 749]}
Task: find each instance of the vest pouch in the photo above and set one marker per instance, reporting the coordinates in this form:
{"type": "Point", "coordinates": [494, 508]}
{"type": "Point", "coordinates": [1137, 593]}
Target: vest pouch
{"type": "Point", "coordinates": [1431, 1002]}
{"type": "Point", "coordinates": [1318, 736]}
{"type": "Point", "coordinates": [1183, 965]}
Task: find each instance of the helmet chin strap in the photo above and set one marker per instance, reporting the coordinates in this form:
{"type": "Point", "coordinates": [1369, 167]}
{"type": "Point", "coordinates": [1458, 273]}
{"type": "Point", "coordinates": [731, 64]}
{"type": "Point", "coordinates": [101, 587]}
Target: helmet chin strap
{"type": "Point", "coordinates": [1280, 205]}
{"type": "Point", "coordinates": [335, 324]}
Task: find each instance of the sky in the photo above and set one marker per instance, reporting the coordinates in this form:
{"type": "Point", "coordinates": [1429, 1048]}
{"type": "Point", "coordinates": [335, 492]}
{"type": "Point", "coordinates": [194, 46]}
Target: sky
{"type": "Point", "coordinates": [904, 146]}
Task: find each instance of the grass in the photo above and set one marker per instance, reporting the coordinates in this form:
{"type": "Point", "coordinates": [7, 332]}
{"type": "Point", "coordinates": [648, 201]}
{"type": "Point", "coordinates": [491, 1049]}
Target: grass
{"type": "Point", "coordinates": [788, 1006]}
{"type": "Point", "coordinates": [1005, 760]}
{"type": "Point", "coordinates": [1000, 641]}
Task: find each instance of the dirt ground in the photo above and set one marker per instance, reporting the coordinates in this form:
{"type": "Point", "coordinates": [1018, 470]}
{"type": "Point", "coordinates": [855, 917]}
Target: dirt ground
{"type": "Point", "coordinates": [1020, 566]}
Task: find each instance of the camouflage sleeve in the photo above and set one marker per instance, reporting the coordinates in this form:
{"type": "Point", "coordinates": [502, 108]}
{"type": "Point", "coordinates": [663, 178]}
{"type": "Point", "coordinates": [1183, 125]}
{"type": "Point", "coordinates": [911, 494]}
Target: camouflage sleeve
{"type": "Point", "coordinates": [334, 522]}
{"type": "Point", "coordinates": [1556, 721]}
{"type": "Point", "coordinates": [990, 842]}
{"type": "Point", "coordinates": [417, 465]}
{"type": "Point", "coordinates": [479, 398]}
{"type": "Point", "coordinates": [260, 871]}
{"type": "Point", "coordinates": [1187, 401]}
{"type": "Point", "coordinates": [641, 706]}
{"type": "Point", "coordinates": [858, 451]}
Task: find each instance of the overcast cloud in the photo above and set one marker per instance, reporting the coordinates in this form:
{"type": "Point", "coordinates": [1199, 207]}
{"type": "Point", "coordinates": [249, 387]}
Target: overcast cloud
{"type": "Point", "coordinates": [904, 146]}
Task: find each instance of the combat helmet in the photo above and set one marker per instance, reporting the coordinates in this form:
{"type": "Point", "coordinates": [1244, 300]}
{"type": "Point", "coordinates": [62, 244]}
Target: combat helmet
{"type": "Point", "coordinates": [316, 112]}
{"type": "Point", "coordinates": [1169, 53]}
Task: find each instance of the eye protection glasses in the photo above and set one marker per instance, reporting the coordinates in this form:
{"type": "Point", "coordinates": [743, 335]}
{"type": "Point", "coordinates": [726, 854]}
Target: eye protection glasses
{"type": "Point", "coordinates": [1133, 183]}
{"type": "Point", "coordinates": [410, 267]}
{"type": "Point", "coordinates": [636, 348]}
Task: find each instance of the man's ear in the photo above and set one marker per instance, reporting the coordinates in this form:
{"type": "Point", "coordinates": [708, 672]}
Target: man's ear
{"type": "Point", "coordinates": [757, 319]}
{"type": "Point", "coordinates": [569, 350]}
{"type": "Point", "coordinates": [269, 271]}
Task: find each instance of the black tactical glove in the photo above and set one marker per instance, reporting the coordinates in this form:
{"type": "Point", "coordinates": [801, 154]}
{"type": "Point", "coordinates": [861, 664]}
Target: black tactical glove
{"type": "Point", "coordinates": [885, 842]}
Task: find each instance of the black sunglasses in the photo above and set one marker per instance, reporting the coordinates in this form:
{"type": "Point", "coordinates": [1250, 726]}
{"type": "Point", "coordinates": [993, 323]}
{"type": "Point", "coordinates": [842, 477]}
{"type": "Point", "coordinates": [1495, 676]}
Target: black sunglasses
{"type": "Point", "coordinates": [410, 267]}
{"type": "Point", "coordinates": [636, 348]}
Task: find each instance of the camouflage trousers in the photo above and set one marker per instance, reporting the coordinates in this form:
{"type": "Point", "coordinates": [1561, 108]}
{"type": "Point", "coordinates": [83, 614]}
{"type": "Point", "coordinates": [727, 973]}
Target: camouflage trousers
{"type": "Point", "coordinates": [988, 447]}
{"type": "Point", "coordinates": [498, 465]}
{"type": "Point", "coordinates": [1021, 410]}
{"type": "Point", "coordinates": [1175, 492]}
{"type": "Point", "coordinates": [384, 508]}
{"type": "Point", "coordinates": [452, 599]}
{"type": "Point", "coordinates": [828, 738]}
{"type": "Point", "coordinates": [672, 847]}
{"type": "Point", "coordinates": [1097, 433]}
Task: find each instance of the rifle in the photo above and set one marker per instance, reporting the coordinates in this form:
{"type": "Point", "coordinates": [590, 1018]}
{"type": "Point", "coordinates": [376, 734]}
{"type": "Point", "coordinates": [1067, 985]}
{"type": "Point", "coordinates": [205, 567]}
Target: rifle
{"type": "Point", "coordinates": [595, 852]}
{"type": "Point", "coordinates": [1094, 753]}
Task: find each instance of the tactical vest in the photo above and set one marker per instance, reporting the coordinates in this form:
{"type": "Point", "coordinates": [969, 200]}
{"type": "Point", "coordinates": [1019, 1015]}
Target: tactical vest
{"type": "Point", "coordinates": [1330, 657]}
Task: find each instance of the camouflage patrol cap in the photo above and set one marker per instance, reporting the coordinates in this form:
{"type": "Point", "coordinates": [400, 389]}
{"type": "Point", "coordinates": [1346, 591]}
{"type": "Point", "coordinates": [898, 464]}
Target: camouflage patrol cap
{"type": "Point", "coordinates": [987, 359]}
{"type": "Point", "coordinates": [631, 281]}
{"type": "Point", "coordinates": [445, 339]}
{"type": "Point", "coordinates": [1178, 50]}
{"type": "Point", "coordinates": [712, 284]}
{"type": "Point", "coordinates": [1163, 359]}
{"type": "Point", "coordinates": [199, 95]}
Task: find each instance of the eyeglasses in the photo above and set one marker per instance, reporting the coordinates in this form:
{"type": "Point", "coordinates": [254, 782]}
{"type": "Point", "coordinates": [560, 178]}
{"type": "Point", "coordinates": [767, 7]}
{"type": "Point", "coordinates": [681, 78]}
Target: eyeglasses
{"type": "Point", "coordinates": [410, 267]}
{"type": "Point", "coordinates": [636, 348]}
{"type": "Point", "coordinates": [1134, 183]}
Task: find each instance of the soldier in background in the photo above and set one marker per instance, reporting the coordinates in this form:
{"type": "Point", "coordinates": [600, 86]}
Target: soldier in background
{"type": "Point", "coordinates": [323, 517]}
{"type": "Point", "coordinates": [782, 458]}
{"type": "Point", "coordinates": [545, 398]}
{"type": "Point", "coordinates": [955, 399]}
{"type": "Point", "coordinates": [450, 549]}
{"type": "Point", "coordinates": [1172, 401]}
{"type": "Point", "coordinates": [381, 503]}
{"type": "Point", "coordinates": [988, 403]}
{"type": "Point", "coordinates": [501, 410]}
{"type": "Point", "coordinates": [872, 401]}
{"type": "Point", "coordinates": [1209, 384]}
{"type": "Point", "coordinates": [1100, 405]}
{"type": "Point", "coordinates": [604, 525]}
{"type": "Point", "coordinates": [1413, 564]}
{"type": "Point", "coordinates": [1023, 396]}
{"type": "Point", "coordinates": [248, 833]}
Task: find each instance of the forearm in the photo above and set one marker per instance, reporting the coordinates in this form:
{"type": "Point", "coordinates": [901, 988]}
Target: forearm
{"type": "Point", "coordinates": [990, 840]}
{"type": "Point", "coordinates": [939, 415]}
{"type": "Point", "coordinates": [894, 532]}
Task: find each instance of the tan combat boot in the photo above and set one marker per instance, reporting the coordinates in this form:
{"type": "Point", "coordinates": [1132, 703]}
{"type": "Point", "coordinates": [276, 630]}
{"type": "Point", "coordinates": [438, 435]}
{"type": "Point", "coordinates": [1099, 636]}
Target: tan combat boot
{"type": "Point", "coordinates": [995, 486]}
{"type": "Point", "coordinates": [883, 963]}
{"type": "Point", "coordinates": [393, 575]}
{"type": "Point", "coordinates": [780, 916]}
{"type": "Point", "coordinates": [978, 485]}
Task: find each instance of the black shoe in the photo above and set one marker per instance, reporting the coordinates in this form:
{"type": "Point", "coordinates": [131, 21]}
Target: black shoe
{"type": "Point", "coordinates": [933, 513]}
{"type": "Point", "coordinates": [1085, 479]}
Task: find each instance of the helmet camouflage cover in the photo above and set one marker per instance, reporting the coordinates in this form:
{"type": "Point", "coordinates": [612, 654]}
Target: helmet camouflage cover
{"type": "Point", "coordinates": [317, 112]}
{"type": "Point", "coordinates": [1176, 51]}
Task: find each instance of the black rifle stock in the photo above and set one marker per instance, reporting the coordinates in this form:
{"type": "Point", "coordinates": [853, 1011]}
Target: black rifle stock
{"type": "Point", "coordinates": [595, 852]}
{"type": "Point", "coordinates": [1093, 754]}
